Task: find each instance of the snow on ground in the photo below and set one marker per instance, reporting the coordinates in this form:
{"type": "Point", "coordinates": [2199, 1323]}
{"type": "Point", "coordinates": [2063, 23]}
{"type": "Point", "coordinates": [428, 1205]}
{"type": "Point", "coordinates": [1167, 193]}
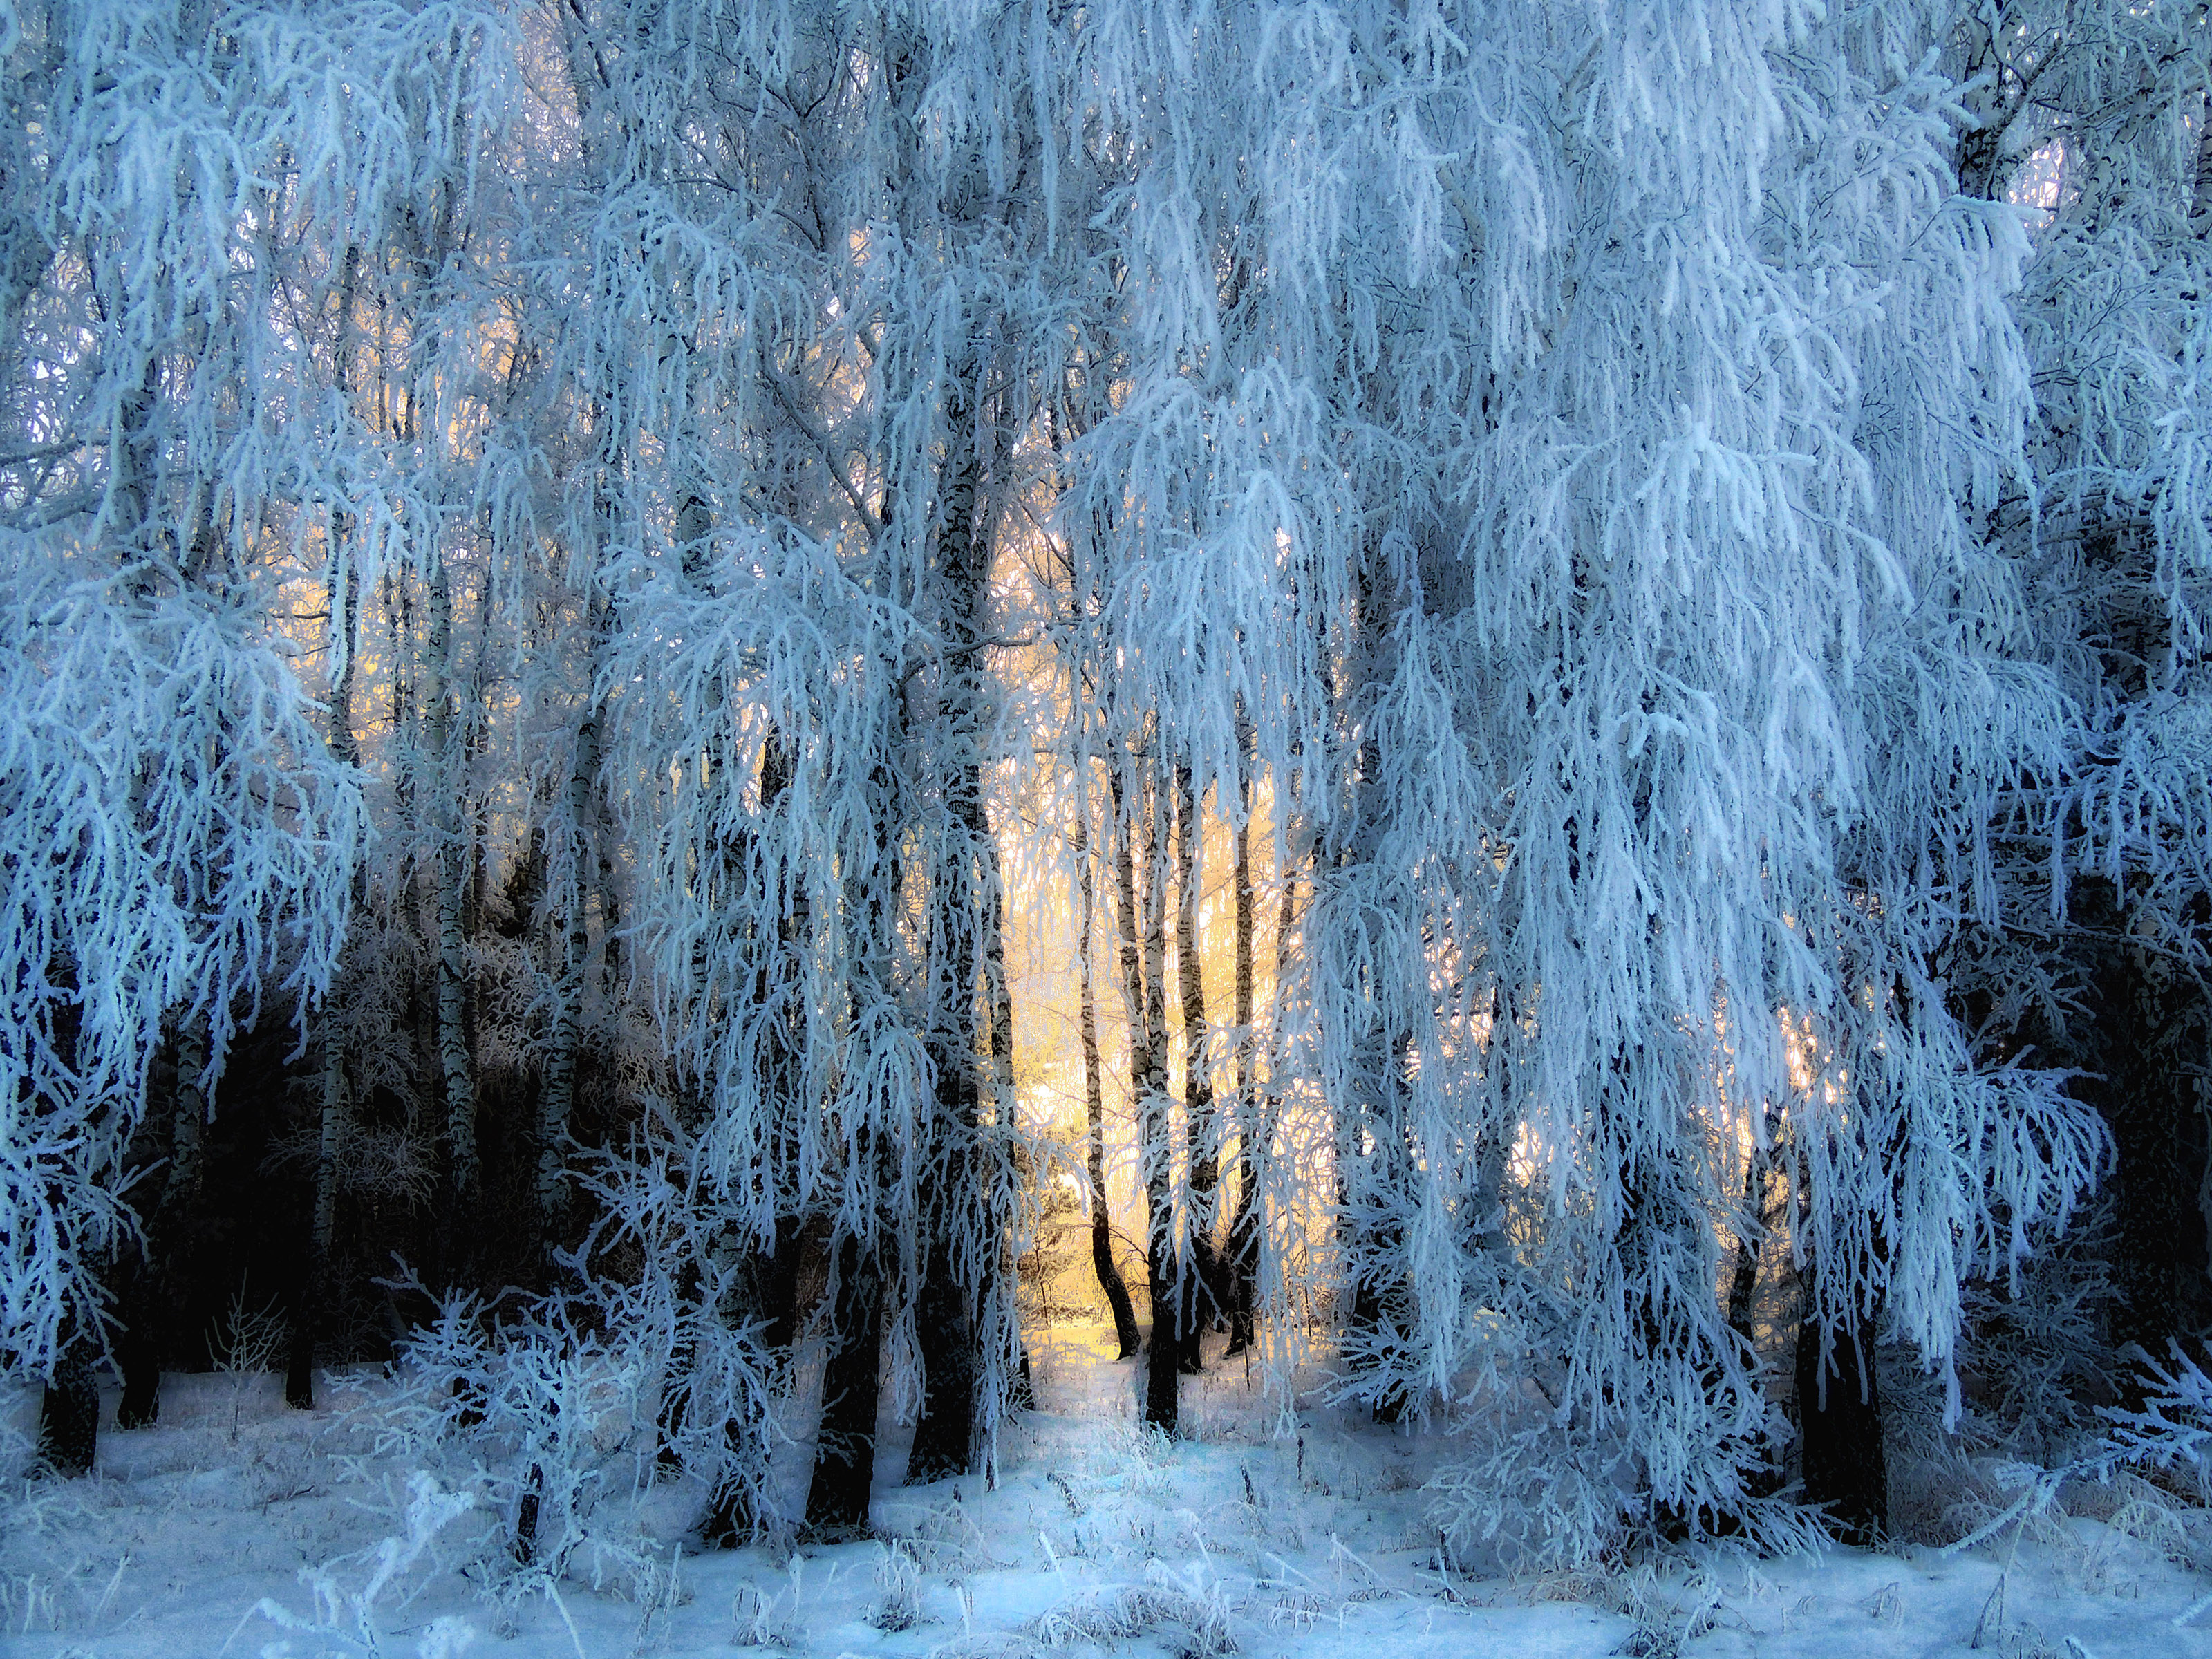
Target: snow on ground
{"type": "Point", "coordinates": [201, 1536]}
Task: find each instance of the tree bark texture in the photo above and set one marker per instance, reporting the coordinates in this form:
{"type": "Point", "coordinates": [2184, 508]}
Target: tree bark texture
{"type": "Point", "coordinates": [1241, 1268]}
{"type": "Point", "coordinates": [1143, 977]}
{"type": "Point", "coordinates": [556, 1100]}
{"type": "Point", "coordinates": [845, 1448]}
{"type": "Point", "coordinates": [451, 866]}
{"type": "Point", "coordinates": [1127, 1340]}
{"type": "Point", "coordinates": [1839, 1426]}
{"type": "Point", "coordinates": [1204, 1295]}
{"type": "Point", "coordinates": [69, 1414]}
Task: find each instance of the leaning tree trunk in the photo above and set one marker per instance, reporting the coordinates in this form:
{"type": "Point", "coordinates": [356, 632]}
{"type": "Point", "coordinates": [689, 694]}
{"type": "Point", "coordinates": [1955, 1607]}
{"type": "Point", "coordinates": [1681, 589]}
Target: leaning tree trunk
{"type": "Point", "coordinates": [1126, 1337]}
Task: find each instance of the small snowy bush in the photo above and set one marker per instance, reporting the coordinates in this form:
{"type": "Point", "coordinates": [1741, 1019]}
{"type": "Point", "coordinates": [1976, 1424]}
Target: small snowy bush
{"type": "Point", "coordinates": [345, 1616]}
{"type": "Point", "coordinates": [542, 1407]}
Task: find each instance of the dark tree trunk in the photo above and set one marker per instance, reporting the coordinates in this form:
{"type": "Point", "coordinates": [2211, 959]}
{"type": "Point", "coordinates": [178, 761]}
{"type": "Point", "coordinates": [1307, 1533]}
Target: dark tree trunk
{"type": "Point", "coordinates": [68, 1415]}
{"type": "Point", "coordinates": [1142, 979]}
{"type": "Point", "coordinates": [767, 1286]}
{"type": "Point", "coordinates": [1164, 1353]}
{"type": "Point", "coordinates": [845, 1448]}
{"type": "Point", "coordinates": [1761, 1215]}
{"type": "Point", "coordinates": [671, 1417]}
{"type": "Point", "coordinates": [1839, 1426]}
{"type": "Point", "coordinates": [137, 1346]}
{"type": "Point", "coordinates": [967, 952]}
{"type": "Point", "coordinates": [944, 1434]}
{"type": "Point", "coordinates": [526, 1517]}
{"type": "Point", "coordinates": [1389, 1404]}
{"type": "Point", "coordinates": [1380, 1280]}
{"type": "Point", "coordinates": [307, 1312]}
{"type": "Point", "coordinates": [1126, 1337]}
{"type": "Point", "coordinates": [1204, 1290]}
{"type": "Point", "coordinates": [343, 598]}
{"type": "Point", "coordinates": [2149, 1043]}
{"type": "Point", "coordinates": [730, 1520]}
{"type": "Point", "coordinates": [944, 1325]}
{"type": "Point", "coordinates": [1241, 1267]}
{"type": "Point", "coordinates": [300, 1358]}
{"type": "Point", "coordinates": [153, 1280]}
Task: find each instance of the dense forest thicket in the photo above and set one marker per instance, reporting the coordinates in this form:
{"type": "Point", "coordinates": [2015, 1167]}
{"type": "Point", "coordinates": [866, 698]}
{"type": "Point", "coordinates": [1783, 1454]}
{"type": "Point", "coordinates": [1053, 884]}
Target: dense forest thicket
{"type": "Point", "coordinates": [1547, 659]}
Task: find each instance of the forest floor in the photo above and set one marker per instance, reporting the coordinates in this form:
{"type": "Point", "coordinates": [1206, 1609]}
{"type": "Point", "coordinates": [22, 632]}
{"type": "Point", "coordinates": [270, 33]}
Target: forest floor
{"type": "Point", "coordinates": [204, 1535]}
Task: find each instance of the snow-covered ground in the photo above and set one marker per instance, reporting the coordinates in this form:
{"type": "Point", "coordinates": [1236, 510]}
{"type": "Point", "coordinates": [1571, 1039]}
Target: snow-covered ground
{"type": "Point", "coordinates": [209, 1534]}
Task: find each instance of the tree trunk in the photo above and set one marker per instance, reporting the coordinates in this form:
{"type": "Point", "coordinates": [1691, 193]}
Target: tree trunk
{"type": "Point", "coordinates": [69, 1413]}
{"type": "Point", "coordinates": [1203, 1296]}
{"type": "Point", "coordinates": [137, 1344]}
{"type": "Point", "coordinates": [1242, 1269]}
{"type": "Point", "coordinates": [1374, 1132]}
{"type": "Point", "coordinates": [163, 1269]}
{"type": "Point", "coordinates": [2143, 1057]}
{"type": "Point", "coordinates": [1126, 1335]}
{"type": "Point", "coordinates": [456, 1069]}
{"type": "Point", "coordinates": [1144, 994]}
{"type": "Point", "coordinates": [943, 1330]}
{"type": "Point", "coordinates": [1840, 1427]}
{"type": "Point", "coordinates": [344, 595]}
{"type": "Point", "coordinates": [772, 1287]}
{"type": "Point", "coordinates": [961, 1275]}
{"type": "Point", "coordinates": [556, 1100]}
{"type": "Point", "coordinates": [315, 1297]}
{"type": "Point", "coordinates": [845, 1447]}
{"type": "Point", "coordinates": [945, 1325]}
{"type": "Point", "coordinates": [1839, 1424]}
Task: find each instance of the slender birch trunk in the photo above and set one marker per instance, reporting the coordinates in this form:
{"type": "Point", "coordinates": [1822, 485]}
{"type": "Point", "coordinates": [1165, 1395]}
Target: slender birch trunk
{"type": "Point", "coordinates": [556, 1100]}
{"type": "Point", "coordinates": [1202, 1297]}
{"type": "Point", "coordinates": [455, 1066]}
{"type": "Point", "coordinates": [1144, 965]}
{"type": "Point", "coordinates": [341, 591]}
{"type": "Point", "coordinates": [335, 1094]}
{"type": "Point", "coordinates": [1242, 1268]}
{"type": "Point", "coordinates": [1127, 1340]}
